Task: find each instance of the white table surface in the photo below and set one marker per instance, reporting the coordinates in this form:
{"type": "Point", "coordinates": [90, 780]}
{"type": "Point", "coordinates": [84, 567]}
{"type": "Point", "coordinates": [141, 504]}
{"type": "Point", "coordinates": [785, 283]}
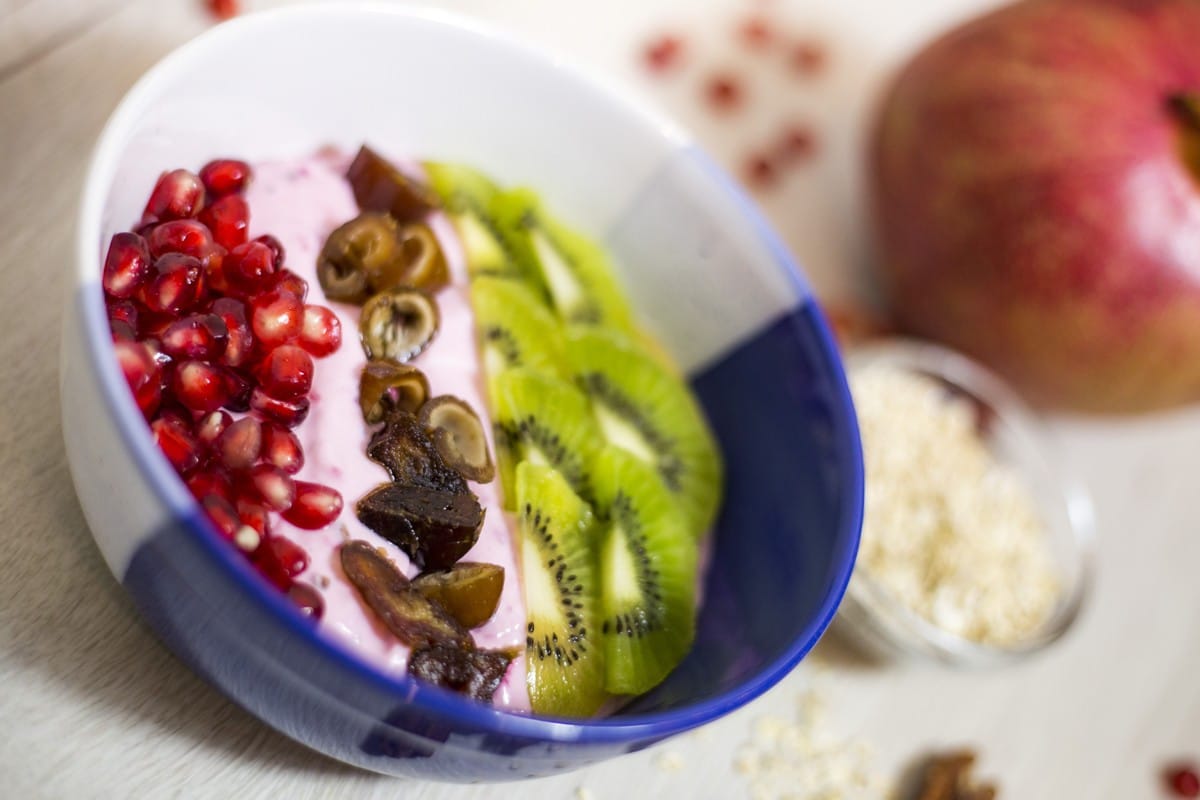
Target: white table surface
{"type": "Point", "coordinates": [92, 706]}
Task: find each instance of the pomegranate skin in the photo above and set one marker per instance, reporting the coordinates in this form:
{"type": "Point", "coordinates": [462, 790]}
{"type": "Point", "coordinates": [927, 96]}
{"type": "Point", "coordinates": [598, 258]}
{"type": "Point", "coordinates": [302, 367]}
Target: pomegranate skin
{"type": "Point", "coordinates": [1032, 207]}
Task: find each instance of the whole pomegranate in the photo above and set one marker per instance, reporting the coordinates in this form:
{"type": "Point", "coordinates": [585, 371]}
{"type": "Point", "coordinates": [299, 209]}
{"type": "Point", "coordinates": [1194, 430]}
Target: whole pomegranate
{"type": "Point", "coordinates": [1035, 182]}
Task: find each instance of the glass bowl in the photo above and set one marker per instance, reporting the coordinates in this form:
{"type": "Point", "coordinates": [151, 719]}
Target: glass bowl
{"type": "Point", "coordinates": [875, 620]}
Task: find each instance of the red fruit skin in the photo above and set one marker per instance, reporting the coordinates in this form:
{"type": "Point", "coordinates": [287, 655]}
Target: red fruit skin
{"type": "Point", "coordinates": [1031, 205]}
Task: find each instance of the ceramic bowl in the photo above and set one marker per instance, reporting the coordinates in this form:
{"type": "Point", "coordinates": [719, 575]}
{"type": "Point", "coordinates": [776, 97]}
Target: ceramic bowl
{"type": "Point", "coordinates": [702, 268]}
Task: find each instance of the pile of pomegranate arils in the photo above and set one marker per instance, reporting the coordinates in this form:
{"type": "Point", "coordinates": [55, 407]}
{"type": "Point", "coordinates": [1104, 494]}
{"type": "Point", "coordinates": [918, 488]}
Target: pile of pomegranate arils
{"type": "Point", "coordinates": [217, 344]}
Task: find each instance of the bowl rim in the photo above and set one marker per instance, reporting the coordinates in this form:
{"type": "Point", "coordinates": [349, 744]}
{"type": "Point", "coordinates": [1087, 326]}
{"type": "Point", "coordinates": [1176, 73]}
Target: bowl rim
{"type": "Point", "coordinates": [905, 628]}
{"type": "Point", "coordinates": [181, 507]}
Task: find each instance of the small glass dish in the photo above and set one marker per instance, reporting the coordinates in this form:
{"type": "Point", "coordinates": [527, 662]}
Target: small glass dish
{"type": "Point", "coordinates": [875, 620]}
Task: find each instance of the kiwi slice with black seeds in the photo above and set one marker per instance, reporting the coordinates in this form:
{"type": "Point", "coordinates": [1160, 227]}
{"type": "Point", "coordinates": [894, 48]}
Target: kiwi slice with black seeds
{"type": "Point", "coordinates": [467, 196]}
{"type": "Point", "coordinates": [515, 329]}
{"type": "Point", "coordinates": [647, 565]}
{"type": "Point", "coordinates": [644, 409]}
{"type": "Point", "coordinates": [545, 420]}
{"type": "Point", "coordinates": [575, 272]}
{"type": "Point", "coordinates": [564, 657]}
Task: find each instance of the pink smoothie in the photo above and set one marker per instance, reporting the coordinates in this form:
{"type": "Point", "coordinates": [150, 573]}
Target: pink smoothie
{"type": "Point", "coordinates": [301, 202]}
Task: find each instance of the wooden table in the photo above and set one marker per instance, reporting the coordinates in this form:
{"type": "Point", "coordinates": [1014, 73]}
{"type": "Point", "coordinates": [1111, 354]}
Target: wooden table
{"type": "Point", "coordinates": [92, 706]}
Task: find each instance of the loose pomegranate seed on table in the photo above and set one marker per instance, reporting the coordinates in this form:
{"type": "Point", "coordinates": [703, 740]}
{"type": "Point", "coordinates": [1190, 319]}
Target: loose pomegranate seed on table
{"type": "Point", "coordinates": [1183, 780]}
{"type": "Point", "coordinates": [205, 323]}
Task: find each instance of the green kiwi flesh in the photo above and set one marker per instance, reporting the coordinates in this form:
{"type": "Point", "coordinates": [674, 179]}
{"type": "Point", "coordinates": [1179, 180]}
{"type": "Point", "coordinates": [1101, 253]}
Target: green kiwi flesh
{"type": "Point", "coordinates": [515, 329]}
{"type": "Point", "coordinates": [564, 659]}
{"type": "Point", "coordinates": [467, 196]}
{"type": "Point", "coordinates": [644, 409]}
{"type": "Point", "coordinates": [647, 563]}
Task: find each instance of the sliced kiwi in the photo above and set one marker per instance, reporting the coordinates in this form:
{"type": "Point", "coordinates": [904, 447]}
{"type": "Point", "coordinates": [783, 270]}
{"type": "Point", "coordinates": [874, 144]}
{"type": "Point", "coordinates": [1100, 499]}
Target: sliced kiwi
{"type": "Point", "coordinates": [647, 566]}
{"type": "Point", "coordinates": [467, 196]}
{"type": "Point", "coordinates": [516, 329]}
{"type": "Point", "coordinates": [565, 660]}
{"type": "Point", "coordinates": [575, 272]}
{"type": "Point", "coordinates": [644, 409]}
{"type": "Point", "coordinates": [544, 420]}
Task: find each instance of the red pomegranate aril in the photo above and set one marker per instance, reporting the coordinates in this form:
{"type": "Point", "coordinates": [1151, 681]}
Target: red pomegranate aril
{"type": "Point", "coordinates": [142, 373]}
{"type": "Point", "coordinates": [663, 53]}
{"type": "Point", "coordinates": [220, 512]}
{"type": "Point", "coordinates": [199, 385]}
{"type": "Point", "coordinates": [179, 194]}
{"type": "Point", "coordinates": [1183, 780]}
{"type": "Point", "coordinates": [177, 286]}
{"type": "Point", "coordinates": [223, 9]}
{"type": "Point", "coordinates": [211, 481]}
{"type": "Point", "coordinates": [307, 599]}
{"type": "Point", "coordinates": [291, 283]}
{"type": "Point", "coordinates": [315, 506]}
{"type": "Point", "coordinates": [211, 426]}
{"type": "Point", "coordinates": [287, 413]}
{"type": "Point", "coordinates": [250, 267]}
{"type": "Point", "coordinates": [276, 247]}
{"type": "Point", "coordinates": [185, 236]}
{"type": "Point", "coordinates": [276, 318]}
{"type": "Point", "coordinates": [225, 175]}
{"type": "Point", "coordinates": [280, 560]}
{"type": "Point", "coordinates": [281, 448]}
{"type": "Point", "coordinates": [228, 218]}
{"type": "Point", "coordinates": [286, 373]}
{"type": "Point", "coordinates": [320, 331]}
{"type": "Point", "coordinates": [214, 269]}
{"type": "Point", "coordinates": [122, 331]}
{"type": "Point", "coordinates": [254, 514]}
{"type": "Point", "coordinates": [272, 486]}
{"type": "Point", "coordinates": [239, 446]}
{"type": "Point", "coordinates": [176, 444]}
{"type": "Point", "coordinates": [239, 391]}
{"type": "Point", "coordinates": [200, 336]}
{"type": "Point", "coordinates": [127, 266]}
{"type": "Point", "coordinates": [239, 345]}
{"type": "Point", "coordinates": [123, 311]}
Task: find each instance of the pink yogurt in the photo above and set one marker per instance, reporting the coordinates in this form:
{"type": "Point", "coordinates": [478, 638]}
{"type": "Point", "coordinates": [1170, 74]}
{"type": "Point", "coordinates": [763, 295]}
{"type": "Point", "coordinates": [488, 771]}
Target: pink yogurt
{"type": "Point", "coordinates": [301, 202]}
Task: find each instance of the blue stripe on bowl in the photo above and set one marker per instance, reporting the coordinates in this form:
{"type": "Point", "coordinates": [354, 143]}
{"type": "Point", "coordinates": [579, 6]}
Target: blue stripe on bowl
{"type": "Point", "coordinates": [784, 548]}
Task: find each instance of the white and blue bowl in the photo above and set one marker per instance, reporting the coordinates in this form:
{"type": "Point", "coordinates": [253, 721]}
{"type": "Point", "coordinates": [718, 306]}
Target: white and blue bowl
{"type": "Point", "coordinates": [705, 272]}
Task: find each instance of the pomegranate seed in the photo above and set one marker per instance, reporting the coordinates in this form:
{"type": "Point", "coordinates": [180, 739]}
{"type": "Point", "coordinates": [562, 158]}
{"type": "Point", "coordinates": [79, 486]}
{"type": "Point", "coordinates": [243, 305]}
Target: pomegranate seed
{"type": "Point", "coordinates": [199, 336]}
{"type": "Point", "coordinates": [756, 32]}
{"type": "Point", "coordinates": [250, 267]}
{"type": "Point", "coordinates": [176, 444]}
{"type": "Point", "coordinates": [276, 248]}
{"type": "Point", "coordinates": [223, 9]}
{"type": "Point", "coordinates": [211, 482]}
{"type": "Point", "coordinates": [291, 283]}
{"type": "Point", "coordinates": [280, 560]}
{"type": "Point", "coordinates": [759, 170]}
{"type": "Point", "coordinates": [176, 415]}
{"type": "Point", "coordinates": [320, 331]}
{"type": "Point", "coordinates": [123, 311]}
{"type": "Point", "coordinates": [808, 58]}
{"type": "Point", "coordinates": [663, 53]}
{"type": "Point", "coordinates": [724, 92]}
{"type": "Point", "coordinates": [315, 506]}
{"type": "Point", "coordinates": [221, 513]}
{"type": "Point", "coordinates": [121, 331]}
{"type": "Point", "coordinates": [211, 426]}
{"type": "Point", "coordinates": [239, 446]}
{"type": "Point", "coordinates": [252, 513]}
{"type": "Point", "coordinates": [228, 218]}
{"type": "Point", "coordinates": [200, 386]}
{"type": "Point", "coordinates": [225, 175]}
{"type": "Point", "coordinates": [797, 143]}
{"type": "Point", "coordinates": [276, 318]}
{"type": "Point", "coordinates": [185, 236]}
{"type": "Point", "coordinates": [179, 194]}
{"type": "Point", "coordinates": [239, 391]}
{"type": "Point", "coordinates": [178, 285]}
{"type": "Point", "coordinates": [287, 413]}
{"type": "Point", "coordinates": [307, 599]}
{"type": "Point", "coordinates": [153, 324]}
{"type": "Point", "coordinates": [281, 448]}
{"type": "Point", "coordinates": [127, 267]}
{"type": "Point", "coordinates": [142, 373]}
{"type": "Point", "coordinates": [239, 346]}
{"type": "Point", "coordinates": [286, 373]}
{"type": "Point", "coordinates": [1183, 780]}
{"type": "Point", "coordinates": [146, 224]}
{"type": "Point", "coordinates": [272, 486]}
